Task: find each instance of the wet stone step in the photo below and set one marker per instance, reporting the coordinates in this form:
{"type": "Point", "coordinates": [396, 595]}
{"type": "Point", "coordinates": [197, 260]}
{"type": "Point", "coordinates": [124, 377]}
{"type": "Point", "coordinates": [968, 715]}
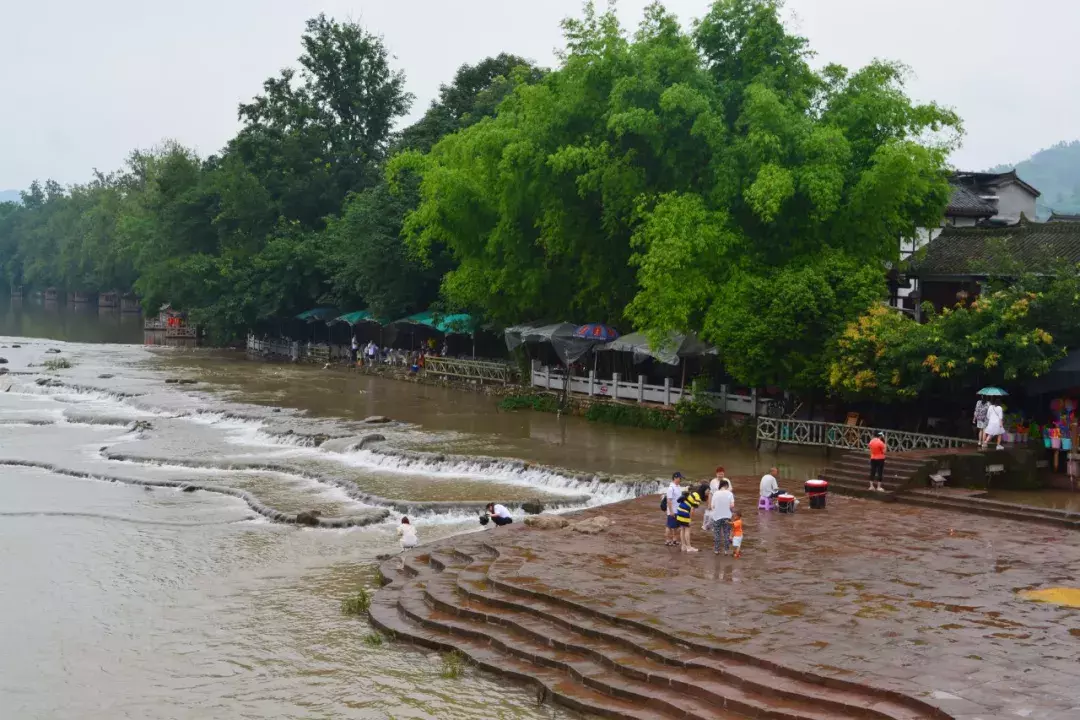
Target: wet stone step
{"type": "Point", "coordinates": [557, 687]}
{"type": "Point", "coordinates": [683, 670]}
{"type": "Point", "coordinates": [582, 669]}
{"type": "Point", "coordinates": [616, 639]}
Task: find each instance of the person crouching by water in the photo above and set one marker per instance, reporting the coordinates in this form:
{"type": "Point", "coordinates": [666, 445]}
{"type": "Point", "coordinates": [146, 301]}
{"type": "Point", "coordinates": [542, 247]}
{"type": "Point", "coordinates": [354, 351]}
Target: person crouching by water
{"type": "Point", "coordinates": [407, 534]}
{"type": "Point", "coordinates": [499, 514]}
{"type": "Point", "coordinates": [684, 514]}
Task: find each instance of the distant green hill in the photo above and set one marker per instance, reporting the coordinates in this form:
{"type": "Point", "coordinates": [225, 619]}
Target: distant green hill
{"type": "Point", "coordinates": [1055, 172]}
{"type": "Point", "coordinates": [9, 196]}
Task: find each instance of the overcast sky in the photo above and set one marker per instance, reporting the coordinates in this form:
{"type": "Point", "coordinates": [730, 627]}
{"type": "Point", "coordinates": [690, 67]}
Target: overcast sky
{"type": "Point", "coordinates": [82, 83]}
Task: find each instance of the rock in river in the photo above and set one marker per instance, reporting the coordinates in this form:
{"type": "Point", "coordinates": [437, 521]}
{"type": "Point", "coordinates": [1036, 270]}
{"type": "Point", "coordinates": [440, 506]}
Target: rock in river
{"type": "Point", "coordinates": [546, 522]}
{"type": "Point", "coordinates": [533, 507]}
{"type": "Point", "coordinates": [308, 517]}
{"type": "Point", "coordinates": [593, 525]}
{"type": "Point", "coordinates": [377, 419]}
{"type": "Point", "coordinates": [3, 361]}
{"type": "Point", "coordinates": [52, 351]}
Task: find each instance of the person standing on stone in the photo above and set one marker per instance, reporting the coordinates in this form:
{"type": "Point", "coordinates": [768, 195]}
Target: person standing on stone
{"type": "Point", "coordinates": [877, 461]}
{"type": "Point", "coordinates": [736, 533]}
{"type": "Point", "coordinates": [674, 492]}
{"type": "Point", "coordinates": [979, 419]}
{"type": "Point", "coordinates": [995, 424]}
{"type": "Point", "coordinates": [407, 534]}
{"type": "Point", "coordinates": [721, 506]}
{"type": "Point", "coordinates": [685, 515]}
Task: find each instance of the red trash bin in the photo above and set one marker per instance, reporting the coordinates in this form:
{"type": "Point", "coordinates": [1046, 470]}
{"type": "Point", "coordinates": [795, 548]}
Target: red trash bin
{"type": "Point", "coordinates": [785, 503]}
{"type": "Point", "coordinates": [817, 490]}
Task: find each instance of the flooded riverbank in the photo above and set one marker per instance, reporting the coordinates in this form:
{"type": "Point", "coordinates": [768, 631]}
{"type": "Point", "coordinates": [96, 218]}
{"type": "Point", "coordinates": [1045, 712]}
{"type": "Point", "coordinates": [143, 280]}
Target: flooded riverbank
{"type": "Point", "coordinates": [156, 603]}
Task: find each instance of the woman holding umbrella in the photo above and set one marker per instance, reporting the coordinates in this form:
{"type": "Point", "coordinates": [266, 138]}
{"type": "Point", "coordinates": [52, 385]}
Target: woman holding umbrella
{"type": "Point", "coordinates": [995, 417]}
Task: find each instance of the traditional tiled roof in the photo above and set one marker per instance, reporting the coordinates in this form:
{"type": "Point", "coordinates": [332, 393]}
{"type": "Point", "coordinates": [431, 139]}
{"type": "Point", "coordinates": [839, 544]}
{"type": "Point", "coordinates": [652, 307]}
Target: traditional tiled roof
{"type": "Point", "coordinates": [1056, 217]}
{"type": "Point", "coordinates": [980, 251]}
{"type": "Point", "coordinates": [965, 203]}
{"type": "Point", "coordinates": [982, 181]}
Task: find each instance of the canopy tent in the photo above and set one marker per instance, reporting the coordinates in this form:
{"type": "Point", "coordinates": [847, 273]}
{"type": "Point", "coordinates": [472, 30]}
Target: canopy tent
{"type": "Point", "coordinates": [317, 315]}
{"type": "Point", "coordinates": [457, 324]}
{"type": "Point", "coordinates": [1063, 375]}
{"type": "Point", "coordinates": [355, 318]}
{"type": "Point", "coordinates": [570, 349]}
{"type": "Point", "coordinates": [672, 351]}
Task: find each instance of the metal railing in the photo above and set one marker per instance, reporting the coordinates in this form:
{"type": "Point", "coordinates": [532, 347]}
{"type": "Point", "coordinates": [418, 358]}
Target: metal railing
{"type": "Point", "coordinates": [849, 437]}
{"type": "Point", "coordinates": [478, 370]}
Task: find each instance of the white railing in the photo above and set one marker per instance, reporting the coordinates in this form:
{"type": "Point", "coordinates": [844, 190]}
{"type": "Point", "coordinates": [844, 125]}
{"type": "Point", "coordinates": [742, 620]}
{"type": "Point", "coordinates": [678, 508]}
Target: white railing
{"type": "Point", "coordinates": [273, 348]}
{"type": "Point", "coordinates": [479, 370]}
{"type": "Point", "coordinates": [849, 437]}
{"type": "Point", "coordinates": [638, 390]}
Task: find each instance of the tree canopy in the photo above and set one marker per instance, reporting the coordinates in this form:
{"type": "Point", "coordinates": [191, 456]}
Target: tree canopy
{"type": "Point", "coordinates": [704, 181]}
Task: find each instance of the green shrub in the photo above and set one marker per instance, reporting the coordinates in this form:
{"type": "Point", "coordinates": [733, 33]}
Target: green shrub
{"type": "Point", "coordinates": [357, 604]}
{"type": "Point", "coordinates": [373, 639]}
{"type": "Point", "coordinates": [632, 416]}
{"type": "Point", "coordinates": [453, 665]}
{"type": "Point", "coordinates": [542, 402]}
{"type": "Point", "coordinates": [57, 364]}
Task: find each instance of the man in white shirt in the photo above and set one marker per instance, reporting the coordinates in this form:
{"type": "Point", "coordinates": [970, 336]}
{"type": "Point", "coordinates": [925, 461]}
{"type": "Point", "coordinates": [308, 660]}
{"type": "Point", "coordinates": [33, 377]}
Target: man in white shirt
{"type": "Point", "coordinates": [674, 492]}
{"type": "Point", "coordinates": [721, 504]}
{"type": "Point", "coordinates": [499, 514]}
{"type": "Point", "coordinates": [769, 487]}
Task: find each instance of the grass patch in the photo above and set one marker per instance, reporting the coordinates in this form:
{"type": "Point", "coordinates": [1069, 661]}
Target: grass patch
{"type": "Point", "coordinates": [357, 604]}
{"type": "Point", "coordinates": [453, 665]}
{"type": "Point", "coordinates": [373, 640]}
{"type": "Point", "coordinates": [57, 364]}
{"type": "Point", "coordinates": [541, 402]}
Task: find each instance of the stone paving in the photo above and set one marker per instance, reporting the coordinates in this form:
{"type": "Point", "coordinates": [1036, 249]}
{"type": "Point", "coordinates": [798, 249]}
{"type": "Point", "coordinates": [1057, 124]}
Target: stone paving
{"type": "Point", "coordinates": [917, 600]}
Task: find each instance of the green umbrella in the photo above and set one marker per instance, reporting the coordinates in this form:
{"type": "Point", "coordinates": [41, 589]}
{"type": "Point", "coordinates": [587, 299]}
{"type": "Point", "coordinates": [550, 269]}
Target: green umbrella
{"type": "Point", "coordinates": [993, 392]}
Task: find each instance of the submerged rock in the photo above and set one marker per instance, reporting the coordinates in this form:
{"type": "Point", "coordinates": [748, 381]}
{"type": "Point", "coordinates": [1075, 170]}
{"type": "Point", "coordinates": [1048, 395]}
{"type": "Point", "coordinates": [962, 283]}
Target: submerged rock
{"type": "Point", "coordinates": [533, 507]}
{"type": "Point", "coordinates": [141, 426]}
{"type": "Point", "coordinates": [594, 525]}
{"type": "Point", "coordinates": [52, 351]}
{"type": "Point", "coordinates": [105, 376]}
{"type": "Point", "coordinates": [3, 361]}
{"type": "Point", "coordinates": [187, 381]}
{"type": "Point", "coordinates": [308, 517]}
{"type": "Point", "coordinates": [188, 488]}
{"type": "Point", "coordinates": [3, 371]}
{"type": "Point", "coordinates": [377, 419]}
{"type": "Point", "coordinates": [16, 346]}
{"type": "Point", "coordinates": [546, 522]}
{"type": "Point", "coordinates": [171, 381]}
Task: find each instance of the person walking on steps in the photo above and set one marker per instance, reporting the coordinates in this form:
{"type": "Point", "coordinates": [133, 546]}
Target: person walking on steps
{"type": "Point", "coordinates": [877, 461]}
{"type": "Point", "coordinates": [995, 426]}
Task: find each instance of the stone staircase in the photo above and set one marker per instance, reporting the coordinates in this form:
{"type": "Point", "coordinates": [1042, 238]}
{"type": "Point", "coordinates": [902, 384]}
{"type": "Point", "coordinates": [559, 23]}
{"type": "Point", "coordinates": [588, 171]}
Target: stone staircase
{"type": "Point", "coordinates": [453, 596]}
{"type": "Point", "coordinates": [849, 474]}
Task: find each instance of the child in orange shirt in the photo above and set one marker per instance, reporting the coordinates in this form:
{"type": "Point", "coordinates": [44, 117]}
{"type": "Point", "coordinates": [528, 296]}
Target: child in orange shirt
{"type": "Point", "coordinates": [736, 532]}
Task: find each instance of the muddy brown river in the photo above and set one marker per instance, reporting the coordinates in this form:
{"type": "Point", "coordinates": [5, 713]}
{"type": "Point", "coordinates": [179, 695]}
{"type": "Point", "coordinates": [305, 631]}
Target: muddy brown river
{"type": "Point", "coordinates": [122, 597]}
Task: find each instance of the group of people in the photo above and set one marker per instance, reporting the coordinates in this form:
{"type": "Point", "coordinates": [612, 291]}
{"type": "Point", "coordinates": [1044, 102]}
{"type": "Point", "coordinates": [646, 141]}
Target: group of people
{"type": "Point", "coordinates": [372, 354]}
{"type": "Point", "coordinates": [720, 516]}
{"type": "Point", "coordinates": [989, 420]}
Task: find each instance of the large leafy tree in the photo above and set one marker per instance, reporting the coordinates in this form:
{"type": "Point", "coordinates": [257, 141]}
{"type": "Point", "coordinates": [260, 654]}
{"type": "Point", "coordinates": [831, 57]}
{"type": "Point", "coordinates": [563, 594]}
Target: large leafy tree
{"type": "Point", "coordinates": [706, 181]}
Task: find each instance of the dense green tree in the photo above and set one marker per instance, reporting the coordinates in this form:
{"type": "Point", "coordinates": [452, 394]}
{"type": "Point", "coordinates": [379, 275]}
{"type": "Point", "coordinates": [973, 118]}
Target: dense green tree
{"type": "Point", "coordinates": [708, 181]}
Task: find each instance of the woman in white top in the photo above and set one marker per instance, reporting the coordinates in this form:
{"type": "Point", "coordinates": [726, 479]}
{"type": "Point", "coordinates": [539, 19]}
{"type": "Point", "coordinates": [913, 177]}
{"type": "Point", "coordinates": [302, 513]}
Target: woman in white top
{"type": "Point", "coordinates": [995, 426]}
{"type": "Point", "coordinates": [721, 503]}
{"type": "Point", "coordinates": [407, 534]}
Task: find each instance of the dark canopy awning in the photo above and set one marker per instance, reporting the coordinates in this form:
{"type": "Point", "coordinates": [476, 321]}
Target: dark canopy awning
{"type": "Point", "coordinates": [671, 351]}
{"type": "Point", "coordinates": [560, 335]}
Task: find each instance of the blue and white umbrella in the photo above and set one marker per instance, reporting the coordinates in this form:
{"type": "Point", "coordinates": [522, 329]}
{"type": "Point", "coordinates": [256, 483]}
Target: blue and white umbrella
{"type": "Point", "coordinates": [993, 392]}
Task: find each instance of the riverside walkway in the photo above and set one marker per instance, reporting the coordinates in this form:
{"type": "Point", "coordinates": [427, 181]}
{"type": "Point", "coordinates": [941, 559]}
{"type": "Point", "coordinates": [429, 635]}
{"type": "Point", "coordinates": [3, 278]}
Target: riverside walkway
{"type": "Point", "coordinates": [864, 609]}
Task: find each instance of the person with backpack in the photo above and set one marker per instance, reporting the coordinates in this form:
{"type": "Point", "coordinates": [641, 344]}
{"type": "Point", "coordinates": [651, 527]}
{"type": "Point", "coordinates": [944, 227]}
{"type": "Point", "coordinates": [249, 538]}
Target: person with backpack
{"type": "Point", "coordinates": [684, 515]}
{"type": "Point", "coordinates": [669, 504]}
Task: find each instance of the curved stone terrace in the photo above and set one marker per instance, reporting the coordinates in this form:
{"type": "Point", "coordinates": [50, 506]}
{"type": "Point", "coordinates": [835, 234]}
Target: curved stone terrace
{"type": "Point", "coordinates": [861, 610]}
